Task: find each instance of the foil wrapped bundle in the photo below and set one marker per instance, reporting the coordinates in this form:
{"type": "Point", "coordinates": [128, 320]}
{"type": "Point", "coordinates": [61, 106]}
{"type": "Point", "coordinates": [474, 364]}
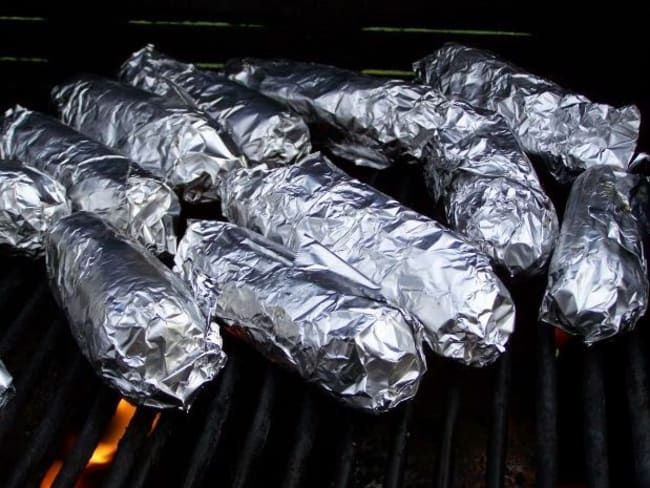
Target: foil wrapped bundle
{"type": "Point", "coordinates": [492, 196]}
{"type": "Point", "coordinates": [264, 130]}
{"type": "Point", "coordinates": [134, 320]}
{"type": "Point", "coordinates": [97, 179]}
{"type": "Point", "coordinates": [175, 142]}
{"type": "Point", "coordinates": [421, 266]}
{"type": "Point", "coordinates": [598, 283]}
{"type": "Point", "coordinates": [6, 385]}
{"type": "Point", "coordinates": [310, 313]}
{"type": "Point", "coordinates": [568, 131]}
{"type": "Point", "coordinates": [31, 202]}
{"type": "Point", "coordinates": [474, 163]}
{"type": "Point", "coordinates": [371, 121]}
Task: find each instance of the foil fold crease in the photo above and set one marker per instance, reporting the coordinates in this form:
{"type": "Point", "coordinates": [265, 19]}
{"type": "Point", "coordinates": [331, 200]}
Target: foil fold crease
{"type": "Point", "coordinates": [135, 321]}
{"type": "Point", "coordinates": [309, 312]}
{"type": "Point", "coordinates": [598, 282]}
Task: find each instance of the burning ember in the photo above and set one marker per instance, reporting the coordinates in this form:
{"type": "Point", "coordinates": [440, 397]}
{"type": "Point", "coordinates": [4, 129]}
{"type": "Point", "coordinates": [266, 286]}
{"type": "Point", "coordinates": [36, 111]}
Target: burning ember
{"type": "Point", "coordinates": [104, 451]}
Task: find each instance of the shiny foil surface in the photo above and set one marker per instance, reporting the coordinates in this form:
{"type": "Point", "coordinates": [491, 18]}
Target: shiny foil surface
{"type": "Point", "coordinates": [31, 202]}
{"type": "Point", "coordinates": [598, 283]}
{"type": "Point", "coordinates": [374, 121]}
{"type": "Point", "coordinates": [97, 179]}
{"type": "Point", "coordinates": [264, 130]}
{"type": "Point", "coordinates": [421, 266]}
{"type": "Point", "coordinates": [490, 191]}
{"type": "Point", "coordinates": [175, 142]}
{"type": "Point", "coordinates": [308, 313]}
{"type": "Point", "coordinates": [568, 131]}
{"type": "Point", "coordinates": [6, 385]}
{"type": "Point", "coordinates": [474, 164]}
{"type": "Point", "coordinates": [135, 320]}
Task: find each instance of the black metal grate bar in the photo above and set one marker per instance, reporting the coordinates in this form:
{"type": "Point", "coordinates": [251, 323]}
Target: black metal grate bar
{"type": "Point", "coordinates": [346, 453]}
{"type": "Point", "coordinates": [21, 323]}
{"type": "Point", "coordinates": [303, 441]}
{"type": "Point", "coordinates": [258, 432]}
{"type": "Point", "coordinates": [546, 405]}
{"type": "Point", "coordinates": [636, 383]}
{"type": "Point", "coordinates": [26, 381]}
{"type": "Point", "coordinates": [48, 431]}
{"type": "Point", "coordinates": [98, 418]}
{"type": "Point", "coordinates": [11, 279]}
{"type": "Point", "coordinates": [152, 453]}
{"type": "Point", "coordinates": [394, 476]}
{"type": "Point", "coordinates": [444, 474]}
{"type": "Point", "coordinates": [595, 412]}
{"type": "Point", "coordinates": [496, 453]}
{"type": "Point", "coordinates": [128, 448]}
{"type": "Point", "coordinates": [218, 410]}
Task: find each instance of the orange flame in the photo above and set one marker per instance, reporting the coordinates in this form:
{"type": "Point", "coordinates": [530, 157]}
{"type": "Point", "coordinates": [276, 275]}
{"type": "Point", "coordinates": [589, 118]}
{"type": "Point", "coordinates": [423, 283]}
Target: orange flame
{"type": "Point", "coordinates": [106, 447]}
{"type": "Point", "coordinates": [50, 476]}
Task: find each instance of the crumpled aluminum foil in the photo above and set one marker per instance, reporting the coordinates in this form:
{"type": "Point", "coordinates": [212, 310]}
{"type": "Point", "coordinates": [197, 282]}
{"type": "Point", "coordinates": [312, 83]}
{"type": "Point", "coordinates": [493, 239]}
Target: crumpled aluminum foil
{"type": "Point", "coordinates": [97, 179]}
{"type": "Point", "coordinates": [264, 130]}
{"type": "Point", "coordinates": [6, 385]}
{"type": "Point", "coordinates": [134, 320]}
{"type": "Point", "coordinates": [568, 131]}
{"type": "Point", "coordinates": [306, 312]}
{"type": "Point", "coordinates": [30, 203]}
{"type": "Point", "coordinates": [374, 121]}
{"type": "Point", "coordinates": [490, 191]}
{"type": "Point", "coordinates": [175, 142]}
{"type": "Point", "coordinates": [421, 266]}
{"type": "Point", "coordinates": [474, 163]}
{"type": "Point", "coordinates": [598, 283]}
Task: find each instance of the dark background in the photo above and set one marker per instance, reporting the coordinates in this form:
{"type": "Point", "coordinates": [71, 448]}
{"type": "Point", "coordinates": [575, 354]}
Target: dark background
{"type": "Point", "coordinates": [598, 50]}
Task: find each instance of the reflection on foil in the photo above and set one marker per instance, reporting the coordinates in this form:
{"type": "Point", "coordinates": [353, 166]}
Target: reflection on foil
{"type": "Point", "coordinates": [175, 142]}
{"type": "Point", "coordinates": [264, 130]}
{"type": "Point", "coordinates": [6, 385]}
{"type": "Point", "coordinates": [598, 283]}
{"type": "Point", "coordinates": [568, 131]}
{"type": "Point", "coordinates": [30, 203]}
{"type": "Point", "coordinates": [135, 321]}
{"type": "Point", "coordinates": [311, 313]}
{"type": "Point", "coordinates": [421, 266]}
{"type": "Point", "coordinates": [474, 163]}
{"type": "Point", "coordinates": [97, 179]}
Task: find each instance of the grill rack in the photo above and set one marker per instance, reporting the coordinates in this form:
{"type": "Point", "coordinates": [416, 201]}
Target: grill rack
{"type": "Point", "coordinates": [229, 434]}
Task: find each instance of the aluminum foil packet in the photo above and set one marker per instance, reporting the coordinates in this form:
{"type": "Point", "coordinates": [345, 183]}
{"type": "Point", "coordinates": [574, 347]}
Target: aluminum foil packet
{"type": "Point", "coordinates": [135, 320]}
{"type": "Point", "coordinates": [264, 130]}
{"type": "Point", "coordinates": [175, 142]}
{"type": "Point", "coordinates": [598, 282]}
{"type": "Point", "coordinates": [31, 202]}
{"type": "Point", "coordinates": [474, 164]}
{"type": "Point", "coordinates": [306, 312]}
{"type": "Point", "coordinates": [373, 121]}
{"type": "Point", "coordinates": [7, 388]}
{"type": "Point", "coordinates": [422, 267]}
{"type": "Point", "coordinates": [491, 193]}
{"type": "Point", "coordinates": [97, 179]}
{"type": "Point", "coordinates": [568, 131]}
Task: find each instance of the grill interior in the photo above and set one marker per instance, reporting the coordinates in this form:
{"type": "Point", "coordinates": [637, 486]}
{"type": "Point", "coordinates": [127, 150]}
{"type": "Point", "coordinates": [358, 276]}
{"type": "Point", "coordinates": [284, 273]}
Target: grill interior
{"type": "Point", "coordinates": [574, 418]}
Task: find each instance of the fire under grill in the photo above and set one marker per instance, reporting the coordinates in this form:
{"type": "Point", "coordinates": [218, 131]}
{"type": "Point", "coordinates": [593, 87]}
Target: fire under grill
{"type": "Point", "coordinates": [549, 413]}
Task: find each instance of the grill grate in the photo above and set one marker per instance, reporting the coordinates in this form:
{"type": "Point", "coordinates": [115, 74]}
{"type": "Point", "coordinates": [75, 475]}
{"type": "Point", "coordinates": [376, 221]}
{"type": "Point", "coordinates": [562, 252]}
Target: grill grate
{"type": "Point", "coordinates": [244, 403]}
